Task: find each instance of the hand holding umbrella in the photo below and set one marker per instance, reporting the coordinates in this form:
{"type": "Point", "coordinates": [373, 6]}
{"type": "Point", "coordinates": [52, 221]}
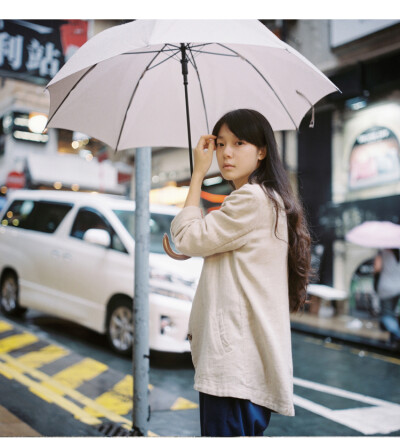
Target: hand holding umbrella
{"type": "Point", "coordinates": [203, 155]}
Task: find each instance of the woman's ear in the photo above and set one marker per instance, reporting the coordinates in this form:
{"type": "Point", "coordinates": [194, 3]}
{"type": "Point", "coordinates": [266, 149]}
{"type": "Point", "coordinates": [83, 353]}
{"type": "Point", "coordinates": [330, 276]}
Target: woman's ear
{"type": "Point", "coordinates": [262, 153]}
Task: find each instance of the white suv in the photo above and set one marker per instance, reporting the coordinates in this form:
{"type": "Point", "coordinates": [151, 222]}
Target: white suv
{"type": "Point", "coordinates": [71, 254]}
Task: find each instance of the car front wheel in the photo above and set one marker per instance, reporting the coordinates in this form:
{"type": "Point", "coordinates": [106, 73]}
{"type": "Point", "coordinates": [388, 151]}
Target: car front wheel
{"type": "Point", "coordinates": [9, 296]}
{"type": "Point", "coordinates": [120, 326]}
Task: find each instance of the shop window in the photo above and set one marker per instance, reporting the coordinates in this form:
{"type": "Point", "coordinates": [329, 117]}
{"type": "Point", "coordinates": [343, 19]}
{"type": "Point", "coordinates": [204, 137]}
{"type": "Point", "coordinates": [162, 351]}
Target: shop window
{"type": "Point", "coordinates": [364, 302]}
{"type": "Point", "coordinates": [374, 159]}
{"type": "Point", "coordinates": [76, 143]}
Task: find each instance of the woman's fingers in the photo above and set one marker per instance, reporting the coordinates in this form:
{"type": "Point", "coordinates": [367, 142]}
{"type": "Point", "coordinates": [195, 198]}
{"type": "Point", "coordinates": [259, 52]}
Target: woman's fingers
{"type": "Point", "coordinates": [205, 140]}
{"type": "Point", "coordinates": [211, 145]}
{"type": "Point", "coordinates": [203, 153]}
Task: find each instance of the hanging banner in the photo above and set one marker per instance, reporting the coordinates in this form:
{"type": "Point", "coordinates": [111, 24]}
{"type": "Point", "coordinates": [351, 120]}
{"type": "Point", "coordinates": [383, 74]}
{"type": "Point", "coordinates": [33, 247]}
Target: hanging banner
{"type": "Point", "coordinates": [35, 50]}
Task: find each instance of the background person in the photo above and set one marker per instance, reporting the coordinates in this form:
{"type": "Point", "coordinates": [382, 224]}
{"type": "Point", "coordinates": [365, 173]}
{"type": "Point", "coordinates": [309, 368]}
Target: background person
{"type": "Point", "coordinates": [387, 271]}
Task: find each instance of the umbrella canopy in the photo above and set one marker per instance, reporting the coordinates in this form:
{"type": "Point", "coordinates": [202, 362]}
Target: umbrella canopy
{"type": "Point", "coordinates": [124, 86]}
{"type": "Point", "coordinates": [375, 234]}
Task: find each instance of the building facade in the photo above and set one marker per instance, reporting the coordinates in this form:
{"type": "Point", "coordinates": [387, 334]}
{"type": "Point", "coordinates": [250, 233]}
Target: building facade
{"type": "Point", "coordinates": [348, 165]}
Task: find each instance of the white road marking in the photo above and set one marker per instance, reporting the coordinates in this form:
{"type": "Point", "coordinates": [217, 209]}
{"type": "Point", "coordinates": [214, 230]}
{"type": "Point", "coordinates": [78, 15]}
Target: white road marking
{"type": "Point", "coordinates": [383, 417]}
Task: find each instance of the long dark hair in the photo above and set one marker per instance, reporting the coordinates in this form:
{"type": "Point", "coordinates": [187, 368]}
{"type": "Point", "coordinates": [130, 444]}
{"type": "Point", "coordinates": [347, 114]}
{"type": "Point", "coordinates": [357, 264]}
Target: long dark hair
{"type": "Point", "coordinates": [253, 127]}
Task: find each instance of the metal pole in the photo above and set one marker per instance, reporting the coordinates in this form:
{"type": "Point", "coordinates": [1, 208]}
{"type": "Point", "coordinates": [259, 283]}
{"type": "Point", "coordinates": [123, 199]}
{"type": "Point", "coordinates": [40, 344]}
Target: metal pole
{"type": "Point", "coordinates": [141, 293]}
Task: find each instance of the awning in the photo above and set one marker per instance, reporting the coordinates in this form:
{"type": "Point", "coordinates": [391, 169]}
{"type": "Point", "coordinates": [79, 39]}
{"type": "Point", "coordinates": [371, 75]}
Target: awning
{"type": "Point", "coordinates": [68, 170]}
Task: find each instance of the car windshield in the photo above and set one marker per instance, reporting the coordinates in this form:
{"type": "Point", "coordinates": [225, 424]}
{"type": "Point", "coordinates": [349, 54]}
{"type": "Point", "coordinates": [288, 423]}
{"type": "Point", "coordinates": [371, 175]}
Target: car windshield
{"type": "Point", "coordinates": [159, 224]}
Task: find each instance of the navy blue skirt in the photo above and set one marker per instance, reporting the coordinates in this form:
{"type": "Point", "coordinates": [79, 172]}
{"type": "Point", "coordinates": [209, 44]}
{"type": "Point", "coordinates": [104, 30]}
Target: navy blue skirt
{"type": "Point", "coordinates": [230, 416]}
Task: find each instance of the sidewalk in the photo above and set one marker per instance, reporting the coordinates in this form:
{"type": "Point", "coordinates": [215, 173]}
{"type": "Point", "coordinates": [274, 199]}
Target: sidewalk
{"type": "Point", "coordinates": [11, 426]}
{"type": "Point", "coordinates": [345, 328]}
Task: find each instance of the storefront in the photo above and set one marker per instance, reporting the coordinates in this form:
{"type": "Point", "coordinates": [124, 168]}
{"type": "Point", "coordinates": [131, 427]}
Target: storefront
{"type": "Point", "coordinates": [354, 159]}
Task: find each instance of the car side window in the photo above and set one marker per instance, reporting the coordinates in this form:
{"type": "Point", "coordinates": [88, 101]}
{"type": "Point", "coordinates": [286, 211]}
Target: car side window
{"type": "Point", "coordinates": [89, 218]}
{"type": "Point", "coordinates": [36, 215]}
{"type": "Point", "coordinates": [159, 225]}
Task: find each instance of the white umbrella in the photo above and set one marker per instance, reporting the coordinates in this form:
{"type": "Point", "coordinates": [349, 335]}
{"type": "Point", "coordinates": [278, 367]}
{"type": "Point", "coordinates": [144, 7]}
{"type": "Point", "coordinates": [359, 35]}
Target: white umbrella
{"type": "Point", "coordinates": [375, 234]}
{"type": "Point", "coordinates": [124, 86]}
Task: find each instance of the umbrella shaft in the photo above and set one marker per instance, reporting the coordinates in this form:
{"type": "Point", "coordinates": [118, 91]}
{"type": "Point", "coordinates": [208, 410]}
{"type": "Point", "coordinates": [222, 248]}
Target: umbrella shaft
{"type": "Point", "coordinates": [184, 62]}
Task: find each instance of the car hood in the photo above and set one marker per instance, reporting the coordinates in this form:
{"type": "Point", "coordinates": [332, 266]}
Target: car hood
{"type": "Point", "coordinates": [189, 270]}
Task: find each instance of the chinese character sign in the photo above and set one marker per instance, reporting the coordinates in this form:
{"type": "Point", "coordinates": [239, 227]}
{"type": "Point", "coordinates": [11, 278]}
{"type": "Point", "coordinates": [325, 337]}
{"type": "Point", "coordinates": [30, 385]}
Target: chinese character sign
{"type": "Point", "coordinates": [36, 50]}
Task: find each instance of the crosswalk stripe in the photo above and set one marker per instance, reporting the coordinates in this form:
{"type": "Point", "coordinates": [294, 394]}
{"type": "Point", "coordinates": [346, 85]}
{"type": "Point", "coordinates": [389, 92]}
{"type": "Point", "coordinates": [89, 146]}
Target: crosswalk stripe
{"type": "Point", "coordinates": [16, 341]}
{"type": "Point", "coordinates": [44, 356]}
{"type": "Point", "coordinates": [4, 326]}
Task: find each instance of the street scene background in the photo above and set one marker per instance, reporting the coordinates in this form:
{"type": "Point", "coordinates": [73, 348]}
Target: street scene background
{"type": "Point", "coordinates": [61, 374]}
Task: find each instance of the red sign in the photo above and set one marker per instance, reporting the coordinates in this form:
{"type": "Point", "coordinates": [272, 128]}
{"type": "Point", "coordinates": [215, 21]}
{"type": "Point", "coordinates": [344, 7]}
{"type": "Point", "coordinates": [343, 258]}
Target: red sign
{"type": "Point", "coordinates": [73, 35]}
{"type": "Point", "coordinates": [124, 177]}
{"type": "Point", "coordinates": [15, 180]}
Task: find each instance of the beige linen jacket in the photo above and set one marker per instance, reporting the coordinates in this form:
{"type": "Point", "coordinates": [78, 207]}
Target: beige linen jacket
{"type": "Point", "coordinates": [239, 322]}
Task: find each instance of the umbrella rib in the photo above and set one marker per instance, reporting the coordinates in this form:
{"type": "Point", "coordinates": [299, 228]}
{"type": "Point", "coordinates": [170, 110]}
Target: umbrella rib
{"type": "Point", "coordinates": [133, 94]}
{"type": "Point", "coordinates": [165, 60]}
{"type": "Point", "coordinates": [217, 54]}
{"type": "Point", "coordinates": [201, 45]}
{"type": "Point", "coordinates": [69, 92]}
{"type": "Point", "coordinates": [193, 62]}
{"type": "Point", "coordinates": [270, 86]}
{"type": "Point", "coordinates": [174, 48]}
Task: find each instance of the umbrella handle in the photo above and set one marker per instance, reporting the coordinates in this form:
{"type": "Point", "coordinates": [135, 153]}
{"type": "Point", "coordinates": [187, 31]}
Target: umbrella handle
{"type": "Point", "coordinates": [170, 252]}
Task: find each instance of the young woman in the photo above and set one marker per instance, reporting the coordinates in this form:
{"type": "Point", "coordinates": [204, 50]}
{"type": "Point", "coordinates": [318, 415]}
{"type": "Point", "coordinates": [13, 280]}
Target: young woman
{"type": "Point", "coordinates": [256, 251]}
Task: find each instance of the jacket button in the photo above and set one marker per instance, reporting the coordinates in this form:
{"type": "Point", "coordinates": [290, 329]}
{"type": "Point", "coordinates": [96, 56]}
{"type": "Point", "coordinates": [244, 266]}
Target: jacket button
{"type": "Point", "coordinates": [189, 336]}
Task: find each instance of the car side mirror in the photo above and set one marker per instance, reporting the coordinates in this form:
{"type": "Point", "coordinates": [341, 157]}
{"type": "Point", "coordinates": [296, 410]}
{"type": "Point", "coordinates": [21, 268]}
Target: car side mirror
{"type": "Point", "coordinates": [98, 237]}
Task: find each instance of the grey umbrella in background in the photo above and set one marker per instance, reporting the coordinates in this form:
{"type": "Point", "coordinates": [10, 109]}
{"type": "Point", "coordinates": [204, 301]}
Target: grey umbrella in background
{"type": "Point", "coordinates": [124, 87]}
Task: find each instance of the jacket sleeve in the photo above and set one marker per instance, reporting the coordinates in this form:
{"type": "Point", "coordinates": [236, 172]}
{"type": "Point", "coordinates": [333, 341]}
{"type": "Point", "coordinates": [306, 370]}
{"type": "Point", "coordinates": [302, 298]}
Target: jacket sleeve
{"type": "Point", "coordinates": [221, 230]}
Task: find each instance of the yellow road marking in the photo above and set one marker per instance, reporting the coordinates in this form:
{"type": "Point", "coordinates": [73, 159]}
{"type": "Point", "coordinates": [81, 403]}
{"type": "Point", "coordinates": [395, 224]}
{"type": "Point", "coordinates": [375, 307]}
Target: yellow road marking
{"type": "Point", "coordinates": [46, 355]}
{"type": "Point", "coordinates": [4, 326]}
{"type": "Point", "coordinates": [386, 358]}
{"type": "Point", "coordinates": [16, 341]}
{"type": "Point", "coordinates": [333, 346]}
{"type": "Point", "coordinates": [316, 341]}
{"type": "Point", "coordinates": [50, 396]}
{"type": "Point", "coordinates": [118, 399]}
{"type": "Point", "coordinates": [13, 364]}
{"type": "Point", "coordinates": [75, 375]}
{"type": "Point", "coordinates": [183, 404]}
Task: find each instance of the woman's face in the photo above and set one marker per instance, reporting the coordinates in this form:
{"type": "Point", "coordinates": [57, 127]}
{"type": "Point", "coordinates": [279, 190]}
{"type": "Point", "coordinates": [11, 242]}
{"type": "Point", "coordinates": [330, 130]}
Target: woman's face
{"type": "Point", "coordinates": [237, 159]}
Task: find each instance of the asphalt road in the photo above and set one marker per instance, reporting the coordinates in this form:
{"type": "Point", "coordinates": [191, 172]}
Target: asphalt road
{"type": "Point", "coordinates": [63, 380]}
